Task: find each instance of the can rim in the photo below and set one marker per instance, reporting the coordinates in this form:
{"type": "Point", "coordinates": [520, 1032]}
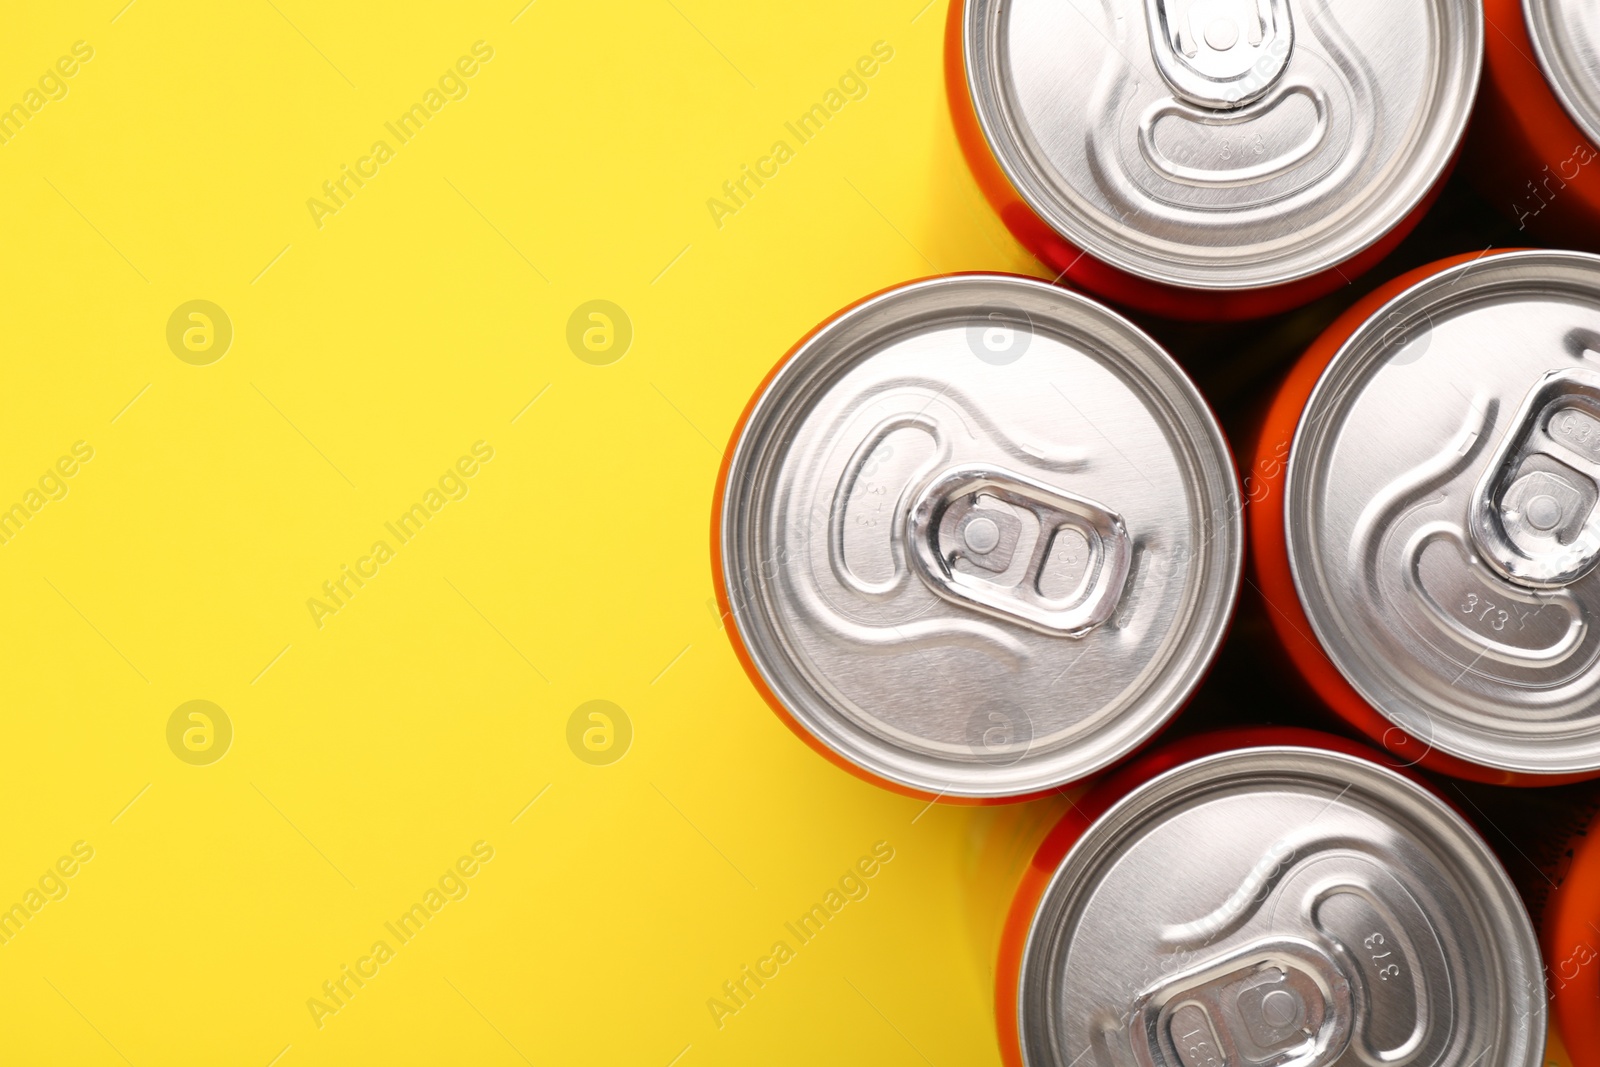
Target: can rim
{"type": "Point", "coordinates": [1339, 769]}
{"type": "Point", "coordinates": [809, 370]}
{"type": "Point", "coordinates": [1562, 86]}
{"type": "Point", "coordinates": [1344, 368]}
{"type": "Point", "coordinates": [1006, 137]}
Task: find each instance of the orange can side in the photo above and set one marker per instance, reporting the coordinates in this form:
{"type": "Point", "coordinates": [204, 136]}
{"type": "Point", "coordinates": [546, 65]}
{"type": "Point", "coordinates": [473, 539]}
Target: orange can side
{"type": "Point", "coordinates": [1083, 812]}
{"type": "Point", "coordinates": [1081, 270]}
{"type": "Point", "coordinates": [1571, 938]}
{"type": "Point", "coordinates": [1269, 552]}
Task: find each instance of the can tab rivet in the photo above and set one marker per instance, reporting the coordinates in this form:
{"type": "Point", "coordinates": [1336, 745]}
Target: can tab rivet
{"type": "Point", "coordinates": [1532, 515]}
{"type": "Point", "coordinates": [965, 535]}
{"type": "Point", "coordinates": [1276, 1003]}
{"type": "Point", "coordinates": [1220, 53]}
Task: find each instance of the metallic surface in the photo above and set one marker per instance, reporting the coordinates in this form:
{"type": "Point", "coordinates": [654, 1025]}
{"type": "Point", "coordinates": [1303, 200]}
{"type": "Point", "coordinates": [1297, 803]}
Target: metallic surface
{"type": "Point", "coordinates": [1541, 529]}
{"type": "Point", "coordinates": [1223, 144]}
{"type": "Point", "coordinates": [1440, 500]}
{"type": "Point", "coordinates": [1566, 39]}
{"type": "Point", "coordinates": [951, 519]}
{"type": "Point", "coordinates": [980, 536]}
{"type": "Point", "coordinates": [1280, 907]}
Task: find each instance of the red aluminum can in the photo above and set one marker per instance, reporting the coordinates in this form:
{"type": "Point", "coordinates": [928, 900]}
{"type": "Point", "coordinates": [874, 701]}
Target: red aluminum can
{"type": "Point", "coordinates": [937, 570]}
{"type": "Point", "coordinates": [1267, 896]}
{"type": "Point", "coordinates": [1533, 140]}
{"type": "Point", "coordinates": [1216, 161]}
{"type": "Point", "coordinates": [1418, 505]}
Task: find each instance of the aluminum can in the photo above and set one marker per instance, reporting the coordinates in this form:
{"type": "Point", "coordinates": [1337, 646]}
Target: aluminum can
{"type": "Point", "coordinates": [978, 537]}
{"type": "Point", "coordinates": [1211, 159]}
{"type": "Point", "coordinates": [1533, 144]}
{"type": "Point", "coordinates": [1423, 516]}
{"type": "Point", "coordinates": [1257, 900]}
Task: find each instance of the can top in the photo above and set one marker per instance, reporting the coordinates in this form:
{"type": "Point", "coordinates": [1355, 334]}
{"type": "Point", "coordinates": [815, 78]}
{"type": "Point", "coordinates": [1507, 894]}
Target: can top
{"type": "Point", "coordinates": [1280, 907]}
{"type": "Point", "coordinates": [1566, 39]}
{"type": "Point", "coordinates": [1223, 144]}
{"type": "Point", "coordinates": [980, 536]}
{"type": "Point", "coordinates": [1440, 504]}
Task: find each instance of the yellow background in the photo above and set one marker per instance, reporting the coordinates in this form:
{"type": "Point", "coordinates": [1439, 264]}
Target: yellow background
{"type": "Point", "coordinates": [368, 354]}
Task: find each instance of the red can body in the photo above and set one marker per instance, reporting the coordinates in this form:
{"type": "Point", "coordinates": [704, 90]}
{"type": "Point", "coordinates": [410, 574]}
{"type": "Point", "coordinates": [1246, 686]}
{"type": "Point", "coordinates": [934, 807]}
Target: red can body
{"type": "Point", "coordinates": [1269, 555]}
{"type": "Point", "coordinates": [1572, 947]}
{"type": "Point", "coordinates": [1079, 269]}
{"type": "Point", "coordinates": [1526, 154]}
{"type": "Point", "coordinates": [1569, 927]}
{"type": "Point", "coordinates": [1059, 841]}
{"type": "Point", "coordinates": [1222, 583]}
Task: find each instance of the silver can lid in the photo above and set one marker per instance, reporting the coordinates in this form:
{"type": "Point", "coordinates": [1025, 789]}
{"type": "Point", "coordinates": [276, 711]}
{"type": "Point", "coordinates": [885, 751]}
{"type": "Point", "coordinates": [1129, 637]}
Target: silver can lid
{"type": "Point", "coordinates": [1223, 144]}
{"type": "Point", "coordinates": [1280, 907]}
{"type": "Point", "coordinates": [1566, 39]}
{"type": "Point", "coordinates": [1441, 511]}
{"type": "Point", "coordinates": [981, 536]}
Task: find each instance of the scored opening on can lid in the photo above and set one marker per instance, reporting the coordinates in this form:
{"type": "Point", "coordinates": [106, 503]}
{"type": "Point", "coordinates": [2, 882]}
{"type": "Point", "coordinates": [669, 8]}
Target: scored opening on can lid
{"type": "Point", "coordinates": [1566, 38]}
{"type": "Point", "coordinates": [1223, 144]}
{"type": "Point", "coordinates": [980, 536]}
{"type": "Point", "coordinates": [1440, 503]}
{"type": "Point", "coordinates": [1280, 906]}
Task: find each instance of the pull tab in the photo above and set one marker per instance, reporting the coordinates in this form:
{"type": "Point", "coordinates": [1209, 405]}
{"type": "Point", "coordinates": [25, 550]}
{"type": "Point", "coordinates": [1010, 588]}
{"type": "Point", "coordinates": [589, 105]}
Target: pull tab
{"type": "Point", "coordinates": [1275, 1003]}
{"type": "Point", "coordinates": [1533, 517]}
{"type": "Point", "coordinates": [1220, 53]}
{"type": "Point", "coordinates": [963, 544]}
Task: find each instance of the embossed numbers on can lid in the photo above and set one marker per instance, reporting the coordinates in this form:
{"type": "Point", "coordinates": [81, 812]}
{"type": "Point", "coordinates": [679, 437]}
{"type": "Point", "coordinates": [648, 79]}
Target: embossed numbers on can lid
{"type": "Point", "coordinates": [980, 536]}
{"type": "Point", "coordinates": [1566, 37]}
{"type": "Point", "coordinates": [1223, 144]}
{"type": "Point", "coordinates": [1441, 511]}
{"type": "Point", "coordinates": [1280, 907]}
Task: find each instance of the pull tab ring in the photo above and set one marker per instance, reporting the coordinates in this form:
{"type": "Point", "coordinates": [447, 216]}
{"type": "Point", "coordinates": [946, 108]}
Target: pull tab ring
{"type": "Point", "coordinates": [1533, 516]}
{"type": "Point", "coordinates": [1220, 53]}
{"type": "Point", "coordinates": [946, 523]}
